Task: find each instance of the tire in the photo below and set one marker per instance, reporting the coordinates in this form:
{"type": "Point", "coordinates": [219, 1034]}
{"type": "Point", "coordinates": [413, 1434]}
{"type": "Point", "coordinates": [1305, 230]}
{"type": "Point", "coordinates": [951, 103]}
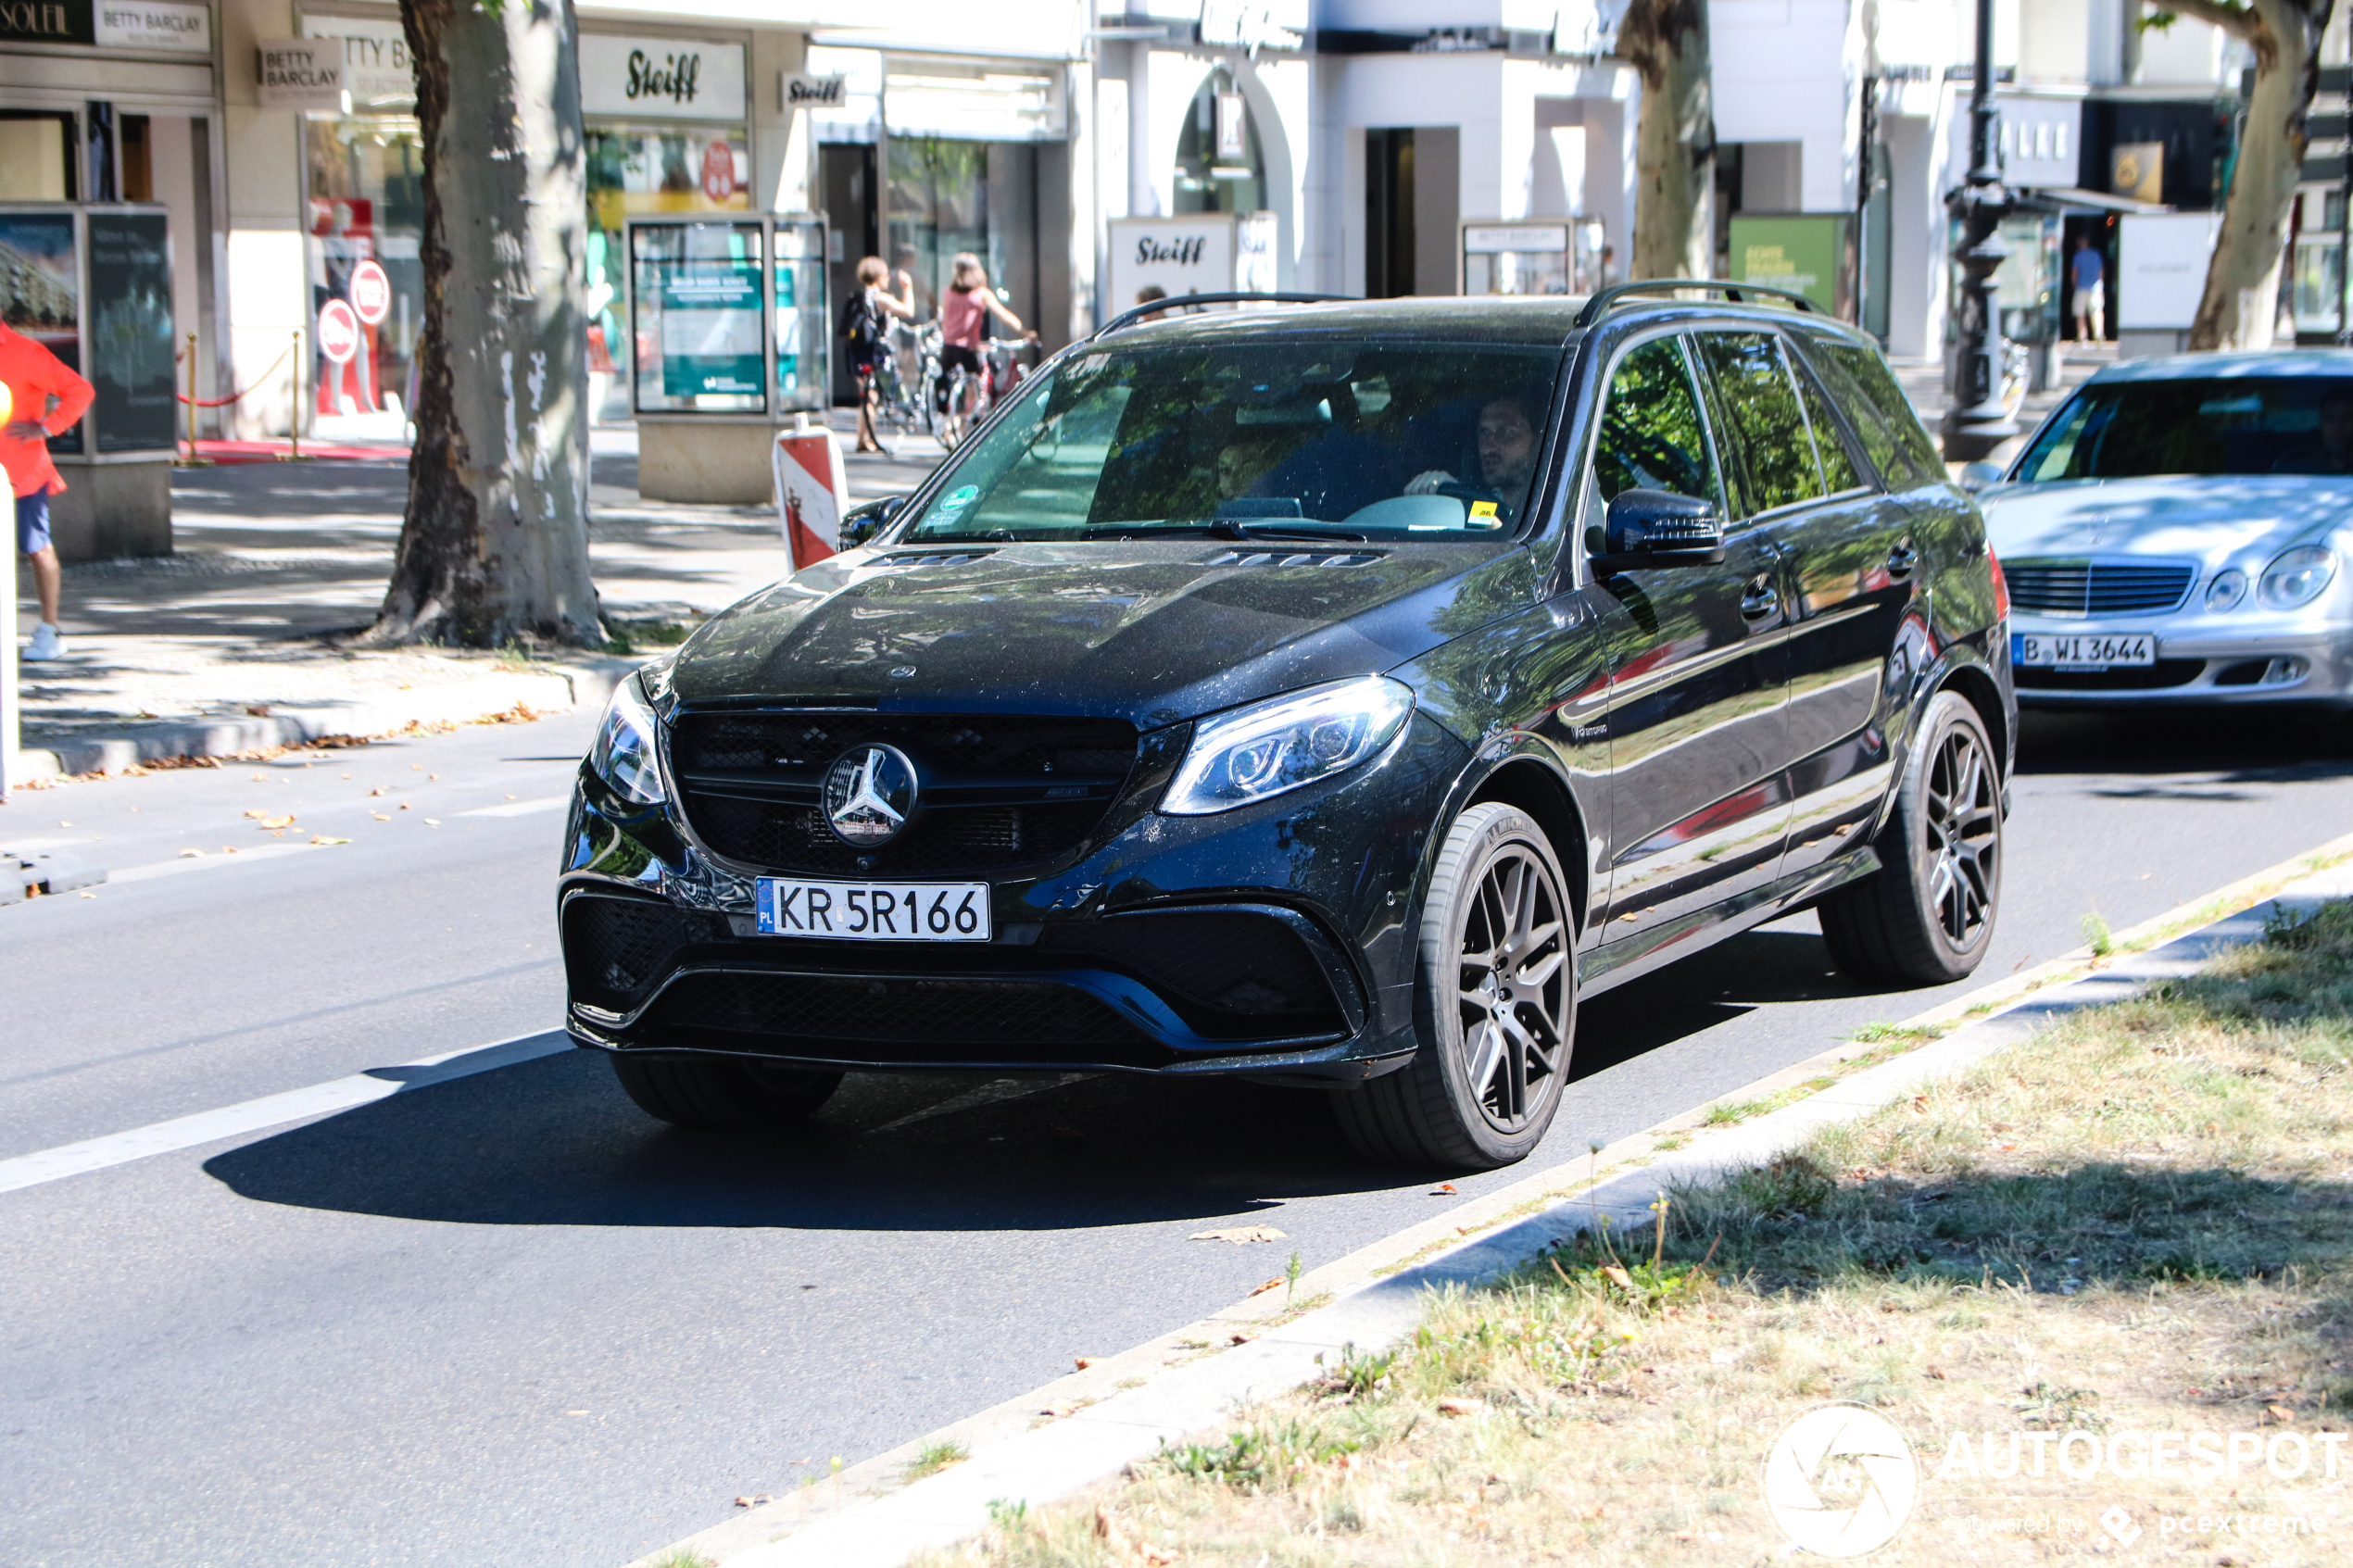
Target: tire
{"type": "Point", "coordinates": [744, 1095]}
{"type": "Point", "coordinates": [1926, 917]}
{"type": "Point", "coordinates": [1495, 1007]}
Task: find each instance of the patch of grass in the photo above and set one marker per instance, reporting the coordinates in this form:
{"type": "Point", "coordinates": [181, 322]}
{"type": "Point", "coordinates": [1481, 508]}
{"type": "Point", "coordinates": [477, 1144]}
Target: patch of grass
{"type": "Point", "coordinates": [2141, 1221]}
{"type": "Point", "coordinates": [1902, 1034]}
{"type": "Point", "coordinates": [2096, 935]}
{"type": "Point", "coordinates": [682, 1558]}
{"type": "Point", "coordinates": [644, 633]}
{"type": "Point", "coordinates": [932, 1459]}
{"type": "Point", "coordinates": [1731, 1113]}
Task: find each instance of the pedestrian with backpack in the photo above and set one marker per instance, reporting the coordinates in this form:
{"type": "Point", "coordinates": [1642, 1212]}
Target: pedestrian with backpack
{"type": "Point", "coordinates": [865, 330]}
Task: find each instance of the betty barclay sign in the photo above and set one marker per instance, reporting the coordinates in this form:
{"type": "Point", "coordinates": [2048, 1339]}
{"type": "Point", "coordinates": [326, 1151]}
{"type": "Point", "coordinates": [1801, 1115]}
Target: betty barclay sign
{"type": "Point", "coordinates": [661, 78]}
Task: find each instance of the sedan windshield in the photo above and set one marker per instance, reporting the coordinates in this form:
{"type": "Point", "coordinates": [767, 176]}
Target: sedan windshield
{"type": "Point", "coordinates": [2204, 425]}
{"type": "Point", "coordinates": [1278, 439]}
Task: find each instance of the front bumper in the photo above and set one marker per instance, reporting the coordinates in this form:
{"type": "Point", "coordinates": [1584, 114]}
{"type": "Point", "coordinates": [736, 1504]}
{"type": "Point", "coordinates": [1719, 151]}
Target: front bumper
{"type": "Point", "coordinates": [2280, 662]}
{"type": "Point", "coordinates": [1267, 941]}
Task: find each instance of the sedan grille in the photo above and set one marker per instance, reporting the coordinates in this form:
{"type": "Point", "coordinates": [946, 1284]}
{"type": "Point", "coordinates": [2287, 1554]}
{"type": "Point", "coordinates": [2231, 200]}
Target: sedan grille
{"type": "Point", "coordinates": [995, 791]}
{"type": "Point", "coordinates": [2107, 586]}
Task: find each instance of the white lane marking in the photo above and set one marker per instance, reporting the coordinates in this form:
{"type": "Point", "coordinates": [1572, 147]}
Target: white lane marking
{"type": "Point", "coordinates": [34, 846]}
{"type": "Point", "coordinates": [271, 1111]}
{"type": "Point", "coordinates": [988, 1094]}
{"type": "Point", "coordinates": [200, 862]}
{"type": "Point", "coordinates": [519, 808]}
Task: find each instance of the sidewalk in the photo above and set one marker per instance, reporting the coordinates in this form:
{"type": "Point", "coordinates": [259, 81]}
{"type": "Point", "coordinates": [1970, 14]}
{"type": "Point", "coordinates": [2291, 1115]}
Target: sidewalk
{"type": "Point", "coordinates": [218, 650]}
{"type": "Point", "coordinates": [1923, 382]}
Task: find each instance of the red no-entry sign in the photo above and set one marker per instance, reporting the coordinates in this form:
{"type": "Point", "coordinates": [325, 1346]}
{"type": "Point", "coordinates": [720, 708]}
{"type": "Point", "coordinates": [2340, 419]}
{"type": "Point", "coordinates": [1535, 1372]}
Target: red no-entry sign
{"type": "Point", "coordinates": [370, 292]}
{"type": "Point", "coordinates": [338, 331]}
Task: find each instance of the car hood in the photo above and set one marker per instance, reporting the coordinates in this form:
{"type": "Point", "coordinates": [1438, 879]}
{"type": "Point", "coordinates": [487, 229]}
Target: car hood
{"type": "Point", "coordinates": [1156, 633]}
{"type": "Point", "coordinates": [2243, 519]}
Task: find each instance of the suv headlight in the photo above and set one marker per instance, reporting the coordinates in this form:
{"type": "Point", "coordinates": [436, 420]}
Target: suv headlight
{"type": "Point", "coordinates": [623, 752]}
{"type": "Point", "coordinates": [1285, 742]}
{"type": "Point", "coordinates": [2297, 577]}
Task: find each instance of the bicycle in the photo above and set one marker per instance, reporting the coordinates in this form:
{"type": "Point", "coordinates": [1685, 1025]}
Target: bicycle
{"type": "Point", "coordinates": [892, 408]}
{"type": "Point", "coordinates": [971, 396]}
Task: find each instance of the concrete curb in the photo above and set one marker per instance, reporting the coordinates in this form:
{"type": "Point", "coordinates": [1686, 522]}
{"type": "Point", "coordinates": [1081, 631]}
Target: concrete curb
{"type": "Point", "coordinates": [1093, 1443]}
{"type": "Point", "coordinates": [554, 687]}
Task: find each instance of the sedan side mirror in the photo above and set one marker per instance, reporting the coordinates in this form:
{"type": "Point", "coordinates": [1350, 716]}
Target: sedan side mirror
{"type": "Point", "coordinates": [867, 525]}
{"type": "Point", "coordinates": [1654, 528]}
{"type": "Point", "coordinates": [1979, 476]}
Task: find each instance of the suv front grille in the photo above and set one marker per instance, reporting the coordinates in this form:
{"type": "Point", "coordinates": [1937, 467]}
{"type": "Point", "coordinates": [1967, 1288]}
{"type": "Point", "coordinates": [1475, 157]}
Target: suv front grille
{"type": "Point", "coordinates": [616, 950]}
{"type": "Point", "coordinates": [2105, 586]}
{"type": "Point", "coordinates": [994, 791]}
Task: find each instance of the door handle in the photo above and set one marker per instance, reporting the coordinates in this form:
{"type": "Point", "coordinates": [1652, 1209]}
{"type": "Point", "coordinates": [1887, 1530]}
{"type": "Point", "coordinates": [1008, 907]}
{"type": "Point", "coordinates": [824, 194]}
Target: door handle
{"type": "Point", "coordinates": [1902, 561]}
{"type": "Point", "coordinates": [1758, 600]}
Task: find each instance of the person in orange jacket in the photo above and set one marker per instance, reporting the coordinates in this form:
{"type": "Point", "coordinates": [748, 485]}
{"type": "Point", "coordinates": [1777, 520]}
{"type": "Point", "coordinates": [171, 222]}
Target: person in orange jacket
{"type": "Point", "coordinates": [46, 399]}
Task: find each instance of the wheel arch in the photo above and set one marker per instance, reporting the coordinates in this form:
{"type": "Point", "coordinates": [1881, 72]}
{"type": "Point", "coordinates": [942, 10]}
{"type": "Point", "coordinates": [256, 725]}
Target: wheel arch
{"type": "Point", "coordinates": [1527, 784]}
{"type": "Point", "coordinates": [1975, 683]}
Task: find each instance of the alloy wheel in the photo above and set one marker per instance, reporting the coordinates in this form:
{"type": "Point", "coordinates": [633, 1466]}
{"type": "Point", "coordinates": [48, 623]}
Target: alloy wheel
{"type": "Point", "coordinates": [1512, 988]}
{"type": "Point", "coordinates": [1962, 824]}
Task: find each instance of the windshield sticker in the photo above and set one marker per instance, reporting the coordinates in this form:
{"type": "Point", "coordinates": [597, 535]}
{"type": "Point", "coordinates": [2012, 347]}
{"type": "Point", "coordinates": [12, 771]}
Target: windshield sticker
{"type": "Point", "coordinates": [1482, 510]}
{"type": "Point", "coordinates": [952, 505]}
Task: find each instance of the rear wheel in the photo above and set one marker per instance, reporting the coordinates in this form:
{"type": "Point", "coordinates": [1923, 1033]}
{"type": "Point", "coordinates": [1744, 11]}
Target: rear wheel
{"type": "Point", "coordinates": [1496, 1007]}
{"type": "Point", "coordinates": [719, 1092]}
{"type": "Point", "coordinates": [1927, 916]}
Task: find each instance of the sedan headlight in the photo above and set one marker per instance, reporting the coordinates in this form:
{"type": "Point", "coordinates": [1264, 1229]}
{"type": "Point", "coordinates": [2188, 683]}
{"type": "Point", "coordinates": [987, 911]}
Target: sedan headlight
{"type": "Point", "coordinates": [2297, 577]}
{"type": "Point", "coordinates": [1280, 744]}
{"type": "Point", "coordinates": [623, 752]}
{"type": "Point", "coordinates": [2228, 589]}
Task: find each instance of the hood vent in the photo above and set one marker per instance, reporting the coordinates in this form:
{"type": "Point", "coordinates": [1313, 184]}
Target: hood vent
{"type": "Point", "coordinates": [1293, 557]}
{"type": "Point", "coordinates": [930, 557]}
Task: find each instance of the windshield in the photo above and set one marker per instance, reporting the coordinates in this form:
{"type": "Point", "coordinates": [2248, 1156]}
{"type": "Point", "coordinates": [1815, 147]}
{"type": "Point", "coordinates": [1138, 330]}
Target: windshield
{"type": "Point", "coordinates": [1279, 439]}
{"type": "Point", "coordinates": [2208, 425]}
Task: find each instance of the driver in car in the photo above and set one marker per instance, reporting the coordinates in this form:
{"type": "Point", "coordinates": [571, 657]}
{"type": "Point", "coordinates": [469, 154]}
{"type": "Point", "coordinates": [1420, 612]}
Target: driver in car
{"type": "Point", "coordinates": [1510, 427]}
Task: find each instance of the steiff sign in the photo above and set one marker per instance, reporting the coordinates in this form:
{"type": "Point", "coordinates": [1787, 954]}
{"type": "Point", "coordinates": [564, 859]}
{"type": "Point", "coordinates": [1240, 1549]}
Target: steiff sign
{"type": "Point", "coordinates": [813, 92]}
{"type": "Point", "coordinates": [661, 78]}
{"type": "Point", "coordinates": [1181, 255]}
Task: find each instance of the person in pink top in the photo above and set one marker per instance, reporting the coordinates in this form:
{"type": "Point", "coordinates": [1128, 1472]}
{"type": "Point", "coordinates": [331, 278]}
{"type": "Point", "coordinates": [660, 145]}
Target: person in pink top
{"type": "Point", "coordinates": [45, 398]}
{"type": "Point", "coordinates": [964, 308]}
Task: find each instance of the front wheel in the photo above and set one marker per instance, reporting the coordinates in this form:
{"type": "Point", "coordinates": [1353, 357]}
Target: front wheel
{"type": "Point", "coordinates": [1495, 1006]}
{"type": "Point", "coordinates": [716, 1091]}
{"type": "Point", "coordinates": [1926, 917]}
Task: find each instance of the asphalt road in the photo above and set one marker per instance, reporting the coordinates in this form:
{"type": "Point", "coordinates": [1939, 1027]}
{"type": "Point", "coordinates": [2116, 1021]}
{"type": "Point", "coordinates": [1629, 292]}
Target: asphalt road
{"type": "Point", "coordinates": [509, 1319]}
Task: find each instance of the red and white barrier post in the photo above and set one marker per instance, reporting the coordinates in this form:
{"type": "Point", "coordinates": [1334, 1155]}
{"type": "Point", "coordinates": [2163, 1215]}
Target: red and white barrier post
{"type": "Point", "coordinates": [811, 492]}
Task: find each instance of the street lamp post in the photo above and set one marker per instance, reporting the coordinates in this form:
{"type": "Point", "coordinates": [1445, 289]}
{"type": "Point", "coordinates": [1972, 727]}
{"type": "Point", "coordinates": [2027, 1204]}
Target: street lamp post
{"type": "Point", "coordinates": [1977, 423]}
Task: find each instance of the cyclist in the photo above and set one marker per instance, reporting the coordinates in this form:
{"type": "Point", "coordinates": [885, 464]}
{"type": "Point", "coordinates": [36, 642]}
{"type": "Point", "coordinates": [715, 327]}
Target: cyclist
{"type": "Point", "coordinates": [964, 309]}
{"type": "Point", "coordinates": [865, 328]}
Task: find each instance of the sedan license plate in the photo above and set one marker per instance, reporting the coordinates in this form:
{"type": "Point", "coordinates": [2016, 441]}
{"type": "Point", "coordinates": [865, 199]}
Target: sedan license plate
{"type": "Point", "coordinates": [873, 911]}
{"type": "Point", "coordinates": [2089, 650]}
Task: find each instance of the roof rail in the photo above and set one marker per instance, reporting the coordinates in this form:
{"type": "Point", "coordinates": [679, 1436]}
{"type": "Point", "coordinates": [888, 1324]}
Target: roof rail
{"type": "Point", "coordinates": [1186, 301]}
{"type": "Point", "coordinates": [1609, 296]}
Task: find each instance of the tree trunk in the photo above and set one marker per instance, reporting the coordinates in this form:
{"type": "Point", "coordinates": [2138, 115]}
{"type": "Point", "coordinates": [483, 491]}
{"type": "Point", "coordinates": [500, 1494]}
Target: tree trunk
{"type": "Point", "coordinates": [494, 545]}
{"type": "Point", "coordinates": [2242, 294]}
{"type": "Point", "coordinates": [1674, 139]}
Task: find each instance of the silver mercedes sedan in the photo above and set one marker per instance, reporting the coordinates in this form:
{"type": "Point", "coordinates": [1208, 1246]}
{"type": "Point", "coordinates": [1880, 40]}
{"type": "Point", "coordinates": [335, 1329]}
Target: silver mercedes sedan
{"type": "Point", "coordinates": [2176, 532]}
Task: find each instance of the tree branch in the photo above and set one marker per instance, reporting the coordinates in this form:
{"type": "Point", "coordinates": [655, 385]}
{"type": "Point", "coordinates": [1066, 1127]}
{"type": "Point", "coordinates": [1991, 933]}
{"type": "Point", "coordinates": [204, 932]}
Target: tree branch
{"type": "Point", "coordinates": [2238, 20]}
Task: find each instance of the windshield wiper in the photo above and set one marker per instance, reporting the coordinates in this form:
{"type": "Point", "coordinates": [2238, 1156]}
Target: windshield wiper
{"type": "Point", "coordinates": [1227, 528]}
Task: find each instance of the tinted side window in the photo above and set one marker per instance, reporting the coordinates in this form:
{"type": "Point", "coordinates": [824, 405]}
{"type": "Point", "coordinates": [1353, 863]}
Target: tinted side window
{"type": "Point", "coordinates": [1768, 428]}
{"type": "Point", "coordinates": [1829, 445]}
{"type": "Point", "coordinates": [1652, 437]}
{"type": "Point", "coordinates": [1882, 414]}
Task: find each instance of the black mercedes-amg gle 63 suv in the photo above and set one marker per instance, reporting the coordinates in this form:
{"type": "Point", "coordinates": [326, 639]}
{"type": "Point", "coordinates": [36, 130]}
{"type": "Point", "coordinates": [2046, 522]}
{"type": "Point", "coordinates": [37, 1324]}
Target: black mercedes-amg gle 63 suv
{"type": "Point", "coordinates": [1326, 693]}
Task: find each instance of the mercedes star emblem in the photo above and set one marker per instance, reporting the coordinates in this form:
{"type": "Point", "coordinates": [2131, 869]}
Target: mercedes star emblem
{"type": "Point", "coordinates": [870, 793]}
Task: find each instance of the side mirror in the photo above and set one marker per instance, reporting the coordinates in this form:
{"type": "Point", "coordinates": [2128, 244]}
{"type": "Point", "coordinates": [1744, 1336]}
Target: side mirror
{"type": "Point", "coordinates": [1656, 527]}
{"type": "Point", "coordinates": [1979, 476]}
{"type": "Point", "coordinates": [867, 524]}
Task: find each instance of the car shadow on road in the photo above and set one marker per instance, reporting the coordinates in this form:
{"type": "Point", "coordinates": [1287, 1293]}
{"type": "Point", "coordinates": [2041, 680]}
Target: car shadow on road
{"type": "Point", "coordinates": [554, 1141]}
{"type": "Point", "coordinates": [2218, 746]}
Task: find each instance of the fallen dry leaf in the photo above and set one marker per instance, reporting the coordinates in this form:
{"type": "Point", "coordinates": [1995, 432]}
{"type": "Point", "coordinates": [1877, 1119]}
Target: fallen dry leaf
{"type": "Point", "coordinates": [285, 821]}
{"type": "Point", "coordinates": [378, 790]}
{"type": "Point", "coordinates": [1461, 1407]}
{"type": "Point", "coordinates": [1058, 1410]}
{"type": "Point", "coordinates": [1618, 1276]}
{"type": "Point", "coordinates": [191, 854]}
{"type": "Point", "coordinates": [87, 894]}
{"type": "Point", "coordinates": [1239, 1338]}
{"type": "Point", "coordinates": [1275, 1284]}
{"type": "Point", "coordinates": [1239, 1234]}
{"type": "Point", "coordinates": [380, 816]}
{"type": "Point", "coordinates": [323, 839]}
{"type": "Point", "coordinates": [1083, 1362]}
{"type": "Point", "coordinates": [2280, 1414]}
{"type": "Point", "coordinates": [432, 822]}
{"type": "Point", "coordinates": [408, 805]}
{"type": "Point", "coordinates": [1444, 1189]}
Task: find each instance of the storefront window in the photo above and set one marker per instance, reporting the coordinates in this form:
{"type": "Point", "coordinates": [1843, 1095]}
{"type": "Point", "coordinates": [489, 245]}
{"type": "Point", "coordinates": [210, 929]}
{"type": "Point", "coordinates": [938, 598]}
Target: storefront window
{"type": "Point", "coordinates": [948, 195]}
{"type": "Point", "coordinates": [634, 172]}
{"type": "Point", "coordinates": [41, 291]}
{"type": "Point", "coordinates": [367, 205]}
{"type": "Point", "coordinates": [1220, 166]}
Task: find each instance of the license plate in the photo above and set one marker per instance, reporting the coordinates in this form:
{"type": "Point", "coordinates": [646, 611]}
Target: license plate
{"type": "Point", "coordinates": [873, 911]}
{"type": "Point", "coordinates": [2088, 650]}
